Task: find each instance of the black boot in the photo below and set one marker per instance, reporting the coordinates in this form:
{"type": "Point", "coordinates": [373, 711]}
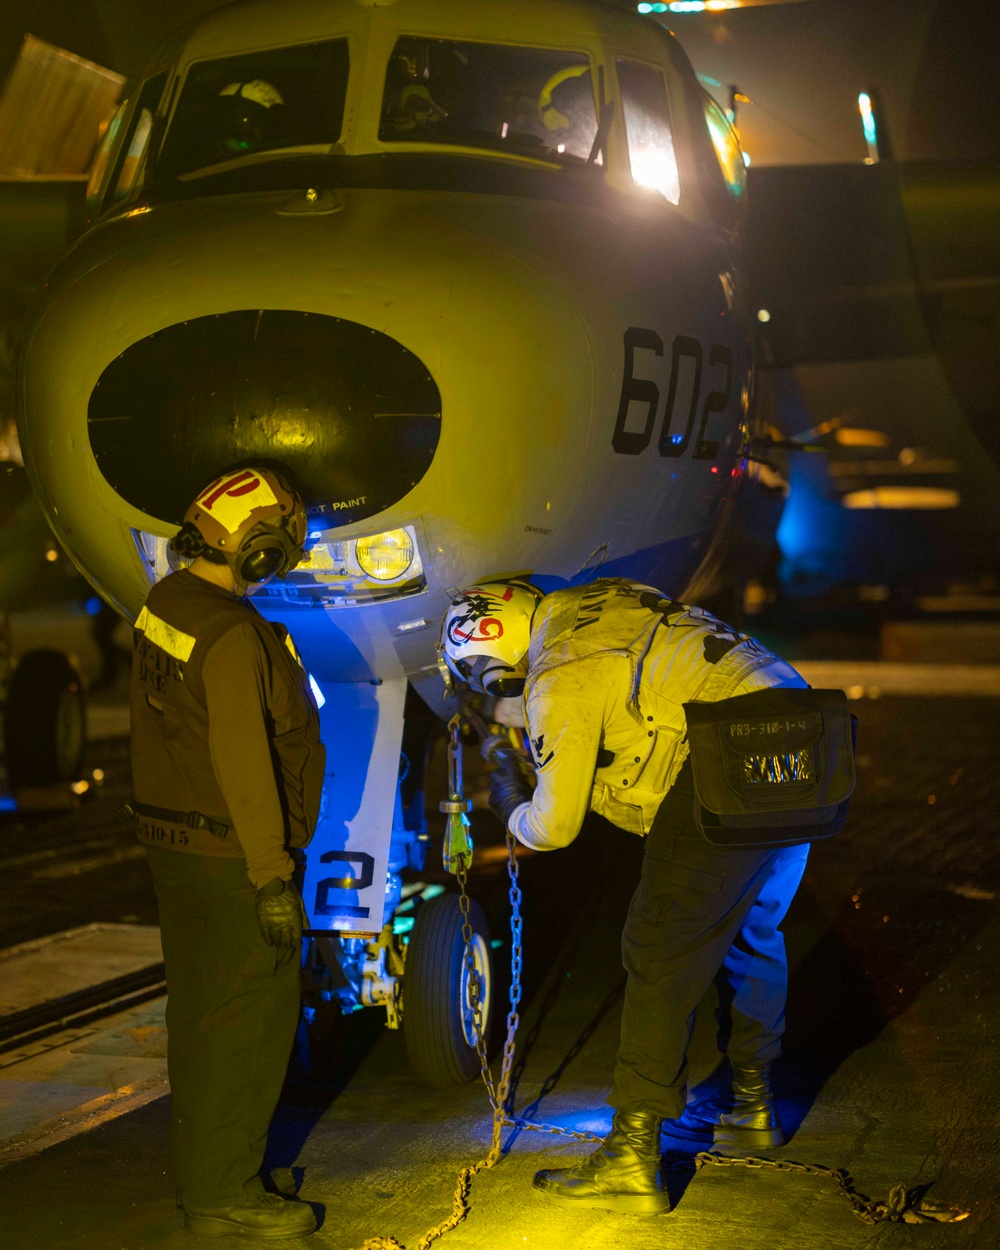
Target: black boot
{"type": "Point", "coordinates": [269, 1217]}
{"type": "Point", "coordinates": [623, 1173]}
{"type": "Point", "coordinates": [745, 1119]}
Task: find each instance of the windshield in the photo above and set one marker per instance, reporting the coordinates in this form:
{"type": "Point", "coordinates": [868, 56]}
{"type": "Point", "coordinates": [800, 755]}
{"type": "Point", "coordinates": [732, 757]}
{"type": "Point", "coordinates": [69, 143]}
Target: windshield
{"type": "Point", "coordinates": [727, 147]}
{"type": "Point", "coordinates": [103, 154]}
{"type": "Point", "coordinates": [522, 101]}
{"type": "Point", "coordinates": [651, 153]}
{"type": "Point", "coordinates": [278, 100]}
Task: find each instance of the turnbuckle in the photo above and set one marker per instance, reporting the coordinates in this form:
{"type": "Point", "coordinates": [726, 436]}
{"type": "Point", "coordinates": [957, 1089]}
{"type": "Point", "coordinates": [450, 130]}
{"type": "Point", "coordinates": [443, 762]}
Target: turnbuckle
{"type": "Point", "coordinates": [457, 846]}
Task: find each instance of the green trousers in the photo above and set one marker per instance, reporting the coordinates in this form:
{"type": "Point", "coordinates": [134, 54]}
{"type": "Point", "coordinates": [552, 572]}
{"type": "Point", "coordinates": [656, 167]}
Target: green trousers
{"type": "Point", "coordinates": [232, 1011]}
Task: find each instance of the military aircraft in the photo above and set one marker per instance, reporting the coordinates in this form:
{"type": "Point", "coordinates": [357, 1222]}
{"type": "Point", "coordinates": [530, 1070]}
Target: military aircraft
{"type": "Point", "coordinates": [470, 273]}
{"type": "Point", "coordinates": [877, 288]}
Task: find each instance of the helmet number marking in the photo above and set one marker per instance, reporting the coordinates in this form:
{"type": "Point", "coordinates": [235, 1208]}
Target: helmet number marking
{"type": "Point", "coordinates": [232, 498]}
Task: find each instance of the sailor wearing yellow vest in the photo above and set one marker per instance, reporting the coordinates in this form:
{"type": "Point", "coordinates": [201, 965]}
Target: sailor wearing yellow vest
{"type": "Point", "coordinates": [227, 770]}
{"type": "Point", "coordinates": [604, 670]}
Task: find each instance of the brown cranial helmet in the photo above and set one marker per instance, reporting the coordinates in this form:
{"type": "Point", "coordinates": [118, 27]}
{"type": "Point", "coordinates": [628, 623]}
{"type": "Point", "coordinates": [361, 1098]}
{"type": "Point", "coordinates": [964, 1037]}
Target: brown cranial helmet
{"type": "Point", "coordinates": [252, 520]}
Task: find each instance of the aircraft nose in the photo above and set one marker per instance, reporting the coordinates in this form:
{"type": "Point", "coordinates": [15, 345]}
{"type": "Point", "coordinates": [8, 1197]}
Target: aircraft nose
{"type": "Point", "coordinates": [351, 412]}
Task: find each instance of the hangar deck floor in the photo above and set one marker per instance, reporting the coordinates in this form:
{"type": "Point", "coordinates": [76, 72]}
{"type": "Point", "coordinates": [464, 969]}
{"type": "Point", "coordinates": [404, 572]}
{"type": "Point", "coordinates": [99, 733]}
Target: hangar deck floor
{"type": "Point", "coordinates": [890, 1071]}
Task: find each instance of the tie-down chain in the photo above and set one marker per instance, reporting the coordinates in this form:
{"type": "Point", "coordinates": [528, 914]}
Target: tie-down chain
{"type": "Point", "coordinates": [905, 1203]}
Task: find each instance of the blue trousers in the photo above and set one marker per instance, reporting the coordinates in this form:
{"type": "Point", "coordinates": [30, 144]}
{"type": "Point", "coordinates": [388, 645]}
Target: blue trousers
{"type": "Point", "coordinates": [700, 912]}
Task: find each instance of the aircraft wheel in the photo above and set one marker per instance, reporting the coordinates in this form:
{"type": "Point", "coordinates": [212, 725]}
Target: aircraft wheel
{"type": "Point", "coordinates": [44, 721]}
{"type": "Point", "coordinates": [437, 1013]}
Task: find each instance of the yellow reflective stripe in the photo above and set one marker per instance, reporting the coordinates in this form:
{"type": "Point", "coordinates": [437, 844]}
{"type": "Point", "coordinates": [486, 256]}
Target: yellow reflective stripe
{"type": "Point", "coordinates": [174, 641]}
{"type": "Point", "coordinates": [293, 651]}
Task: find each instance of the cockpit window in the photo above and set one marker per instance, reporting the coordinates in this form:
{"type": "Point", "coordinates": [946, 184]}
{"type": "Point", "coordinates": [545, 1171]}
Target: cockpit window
{"type": "Point", "coordinates": [135, 152]}
{"type": "Point", "coordinates": [102, 156]}
{"type": "Point", "coordinates": [282, 100]}
{"type": "Point", "coordinates": [651, 152]}
{"type": "Point", "coordinates": [727, 147]}
{"type": "Point", "coordinates": [521, 101]}
{"type": "Point", "coordinates": [128, 151]}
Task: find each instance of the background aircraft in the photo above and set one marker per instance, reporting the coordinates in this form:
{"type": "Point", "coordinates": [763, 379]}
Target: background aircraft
{"type": "Point", "coordinates": [875, 271]}
{"type": "Point", "coordinates": [878, 290]}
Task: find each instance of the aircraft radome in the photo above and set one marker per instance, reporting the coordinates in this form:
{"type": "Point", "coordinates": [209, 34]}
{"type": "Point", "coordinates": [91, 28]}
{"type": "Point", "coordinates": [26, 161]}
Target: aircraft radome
{"type": "Point", "coordinates": [470, 272]}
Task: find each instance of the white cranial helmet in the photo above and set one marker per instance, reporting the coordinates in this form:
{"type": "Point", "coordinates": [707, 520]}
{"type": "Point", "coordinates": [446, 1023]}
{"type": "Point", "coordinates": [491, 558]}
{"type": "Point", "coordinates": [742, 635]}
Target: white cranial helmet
{"type": "Point", "coordinates": [485, 635]}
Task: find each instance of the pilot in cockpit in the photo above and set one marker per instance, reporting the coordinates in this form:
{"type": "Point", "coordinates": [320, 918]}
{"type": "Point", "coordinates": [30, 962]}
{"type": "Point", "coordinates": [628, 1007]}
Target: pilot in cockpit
{"type": "Point", "coordinates": [522, 101]}
{"type": "Point", "coordinates": [566, 102]}
{"type": "Point", "coordinates": [247, 116]}
{"type": "Point", "coordinates": [409, 105]}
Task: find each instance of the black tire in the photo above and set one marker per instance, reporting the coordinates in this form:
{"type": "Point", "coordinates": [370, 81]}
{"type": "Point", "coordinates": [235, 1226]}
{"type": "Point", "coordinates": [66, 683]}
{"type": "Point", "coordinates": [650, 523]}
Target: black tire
{"type": "Point", "coordinates": [434, 987]}
{"type": "Point", "coordinates": [44, 722]}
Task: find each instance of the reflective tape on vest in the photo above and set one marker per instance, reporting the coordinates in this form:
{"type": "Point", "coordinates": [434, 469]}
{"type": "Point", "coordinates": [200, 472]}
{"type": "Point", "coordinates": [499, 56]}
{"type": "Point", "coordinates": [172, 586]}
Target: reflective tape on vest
{"type": "Point", "coordinates": [173, 641]}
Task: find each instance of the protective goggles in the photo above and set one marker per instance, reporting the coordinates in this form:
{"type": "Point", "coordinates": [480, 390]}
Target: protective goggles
{"type": "Point", "coordinates": [270, 550]}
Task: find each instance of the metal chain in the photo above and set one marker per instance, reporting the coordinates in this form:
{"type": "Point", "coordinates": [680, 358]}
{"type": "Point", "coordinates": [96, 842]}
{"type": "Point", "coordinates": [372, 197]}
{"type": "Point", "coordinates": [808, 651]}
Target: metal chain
{"type": "Point", "coordinates": [905, 1204]}
{"type": "Point", "coordinates": [475, 990]}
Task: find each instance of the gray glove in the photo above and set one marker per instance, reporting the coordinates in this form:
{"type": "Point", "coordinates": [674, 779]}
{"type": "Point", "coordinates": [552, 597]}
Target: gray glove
{"type": "Point", "coordinates": [509, 788]}
{"type": "Point", "coordinates": [281, 913]}
{"type": "Point", "coordinates": [498, 750]}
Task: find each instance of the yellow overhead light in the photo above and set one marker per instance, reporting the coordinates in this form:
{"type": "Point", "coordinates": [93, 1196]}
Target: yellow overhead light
{"type": "Point", "coordinates": [385, 557]}
{"type": "Point", "coordinates": [919, 497]}
{"type": "Point", "coordinates": [855, 437]}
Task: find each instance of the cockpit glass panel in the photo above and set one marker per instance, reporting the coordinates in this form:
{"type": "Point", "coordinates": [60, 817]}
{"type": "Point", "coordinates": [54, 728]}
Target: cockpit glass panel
{"type": "Point", "coordinates": [278, 101]}
{"type": "Point", "coordinates": [651, 152]}
{"type": "Point", "coordinates": [138, 143]}
{"type": "Point", "coordinates": [103, 155]}
{"type": "Point", "coordinates": [727, 147]}
{"type": "Point", "coordinates": [129, 150]}
{"type": "Point", "coordinates": [520, 101]}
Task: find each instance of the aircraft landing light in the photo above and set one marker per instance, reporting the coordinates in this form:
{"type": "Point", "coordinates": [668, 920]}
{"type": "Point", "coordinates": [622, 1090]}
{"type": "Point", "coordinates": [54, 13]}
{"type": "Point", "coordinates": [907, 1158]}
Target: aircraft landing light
{"type": "Point", "coordinates": [385, 557]}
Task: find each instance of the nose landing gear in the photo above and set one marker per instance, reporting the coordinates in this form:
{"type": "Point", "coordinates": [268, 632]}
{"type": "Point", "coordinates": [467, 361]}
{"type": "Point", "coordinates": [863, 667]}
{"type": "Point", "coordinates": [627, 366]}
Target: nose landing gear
{"type": "Point", "coordinates": [441, 993]}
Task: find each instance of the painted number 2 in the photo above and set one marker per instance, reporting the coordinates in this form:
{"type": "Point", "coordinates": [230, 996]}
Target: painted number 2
{"type": "Point", "coordinates": [645, 391]}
